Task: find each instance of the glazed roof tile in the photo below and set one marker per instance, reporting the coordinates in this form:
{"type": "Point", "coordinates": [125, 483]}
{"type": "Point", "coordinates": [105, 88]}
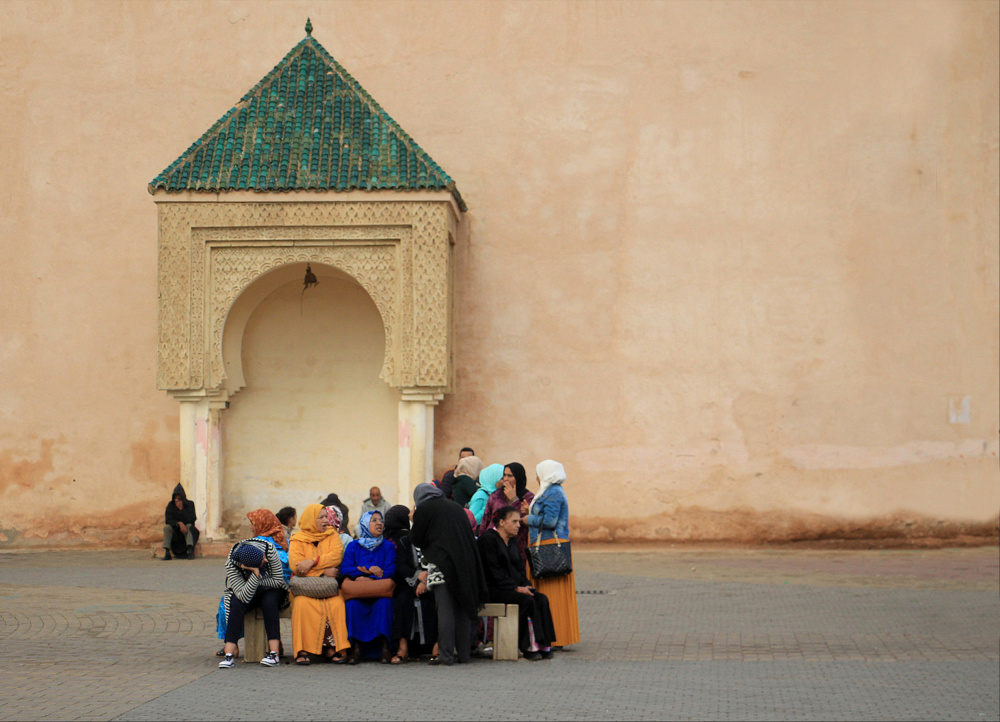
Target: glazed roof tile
{"type": "Point", "coordinates": [307, 125]}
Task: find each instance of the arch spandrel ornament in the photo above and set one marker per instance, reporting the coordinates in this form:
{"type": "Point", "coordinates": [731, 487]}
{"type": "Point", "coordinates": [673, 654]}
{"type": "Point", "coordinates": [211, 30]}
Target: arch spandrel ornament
{"type": "Point", "coordinates": [374, 265]}
{"type": "Point", "coordinates": [398, 251]}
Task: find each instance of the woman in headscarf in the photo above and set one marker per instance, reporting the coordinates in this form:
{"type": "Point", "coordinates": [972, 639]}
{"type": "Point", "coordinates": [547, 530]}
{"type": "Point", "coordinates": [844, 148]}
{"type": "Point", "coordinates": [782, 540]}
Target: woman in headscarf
{"type": "Point", "coordinates": [489, 480]}
{"type": "Point", "coordinates": [335, 518]}
{"type": "Point", "coordinates": [345, 513]}
{"type": "Point", "coordinates": [455, 574]}
{"type": "Point", "coordinates": [254, 578]}
{"type": "Point", "coordinates": [466, 475]}
{"type": "Point", "coordinates": [548, 522]}
{"type": "Point", "coordinates": [512, 491]}
{"type": "Point", "coordinates": [412, 603]}
{"type": "Point", "coordinates": [266, 528]}
{"type": "Point", "coordinates": [369, 556]}
{"type": "Point", "coordinates": [319, 626]}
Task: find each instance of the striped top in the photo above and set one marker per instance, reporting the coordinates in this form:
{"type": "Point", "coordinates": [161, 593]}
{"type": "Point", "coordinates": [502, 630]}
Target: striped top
{"type": "Point", "coordinates": [244, 584]}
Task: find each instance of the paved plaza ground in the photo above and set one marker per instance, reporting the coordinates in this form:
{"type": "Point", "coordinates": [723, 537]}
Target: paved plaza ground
{"type": "Point", "coordinates": [668, 633]}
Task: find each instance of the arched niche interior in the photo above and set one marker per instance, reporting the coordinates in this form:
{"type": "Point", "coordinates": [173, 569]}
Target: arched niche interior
{"type": "Point", "coordinates": [312, 415]}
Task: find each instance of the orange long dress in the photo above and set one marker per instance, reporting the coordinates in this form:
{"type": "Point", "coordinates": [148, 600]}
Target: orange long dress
{"type": "Point", "coordinates": [310, 616]}
{"type": "Point", "coordinates": [561, 592]}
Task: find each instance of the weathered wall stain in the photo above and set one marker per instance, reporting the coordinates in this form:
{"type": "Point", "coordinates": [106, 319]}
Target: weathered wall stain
{"type": "Point", "coordinates": [131, 525]}
{"type": "Point", "coordinates": [747, 526]}
{"type": "Point", "coordinates": [18, 472]}
{"type": "Point", "coordinates": [154, 456]}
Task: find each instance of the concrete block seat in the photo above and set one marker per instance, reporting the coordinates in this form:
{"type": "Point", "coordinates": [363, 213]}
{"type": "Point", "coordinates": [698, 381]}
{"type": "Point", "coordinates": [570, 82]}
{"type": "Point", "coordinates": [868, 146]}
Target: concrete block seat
{"type": "Point", "coordinates": [504, 629]}
{"type": "Point", "coordinates": [255, 636]}
{"type": "Point", "coordinates": [504, 632]}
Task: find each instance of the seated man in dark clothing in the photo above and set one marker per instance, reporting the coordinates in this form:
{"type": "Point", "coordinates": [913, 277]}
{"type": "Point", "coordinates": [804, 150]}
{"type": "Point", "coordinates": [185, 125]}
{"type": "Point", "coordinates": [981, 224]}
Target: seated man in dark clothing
{"type": "Point", "coordinates": [179, 532]}
{"type": "Point", "coordinates": [507, 583]}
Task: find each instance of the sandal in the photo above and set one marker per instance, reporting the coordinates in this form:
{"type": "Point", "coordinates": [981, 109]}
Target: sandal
{"type": "Point", "coordinates": [397, 659]}
{"type": "Point", "coordinates": [354, 655]}
{"type": "Point", "coordinates": [303, 659]}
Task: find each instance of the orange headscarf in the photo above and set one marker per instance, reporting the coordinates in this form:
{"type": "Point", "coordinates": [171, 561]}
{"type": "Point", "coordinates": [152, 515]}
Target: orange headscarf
{"type": "Point", "coordinates": [308, 529]}
{"type": "Point", "coordinates": [265, 523]}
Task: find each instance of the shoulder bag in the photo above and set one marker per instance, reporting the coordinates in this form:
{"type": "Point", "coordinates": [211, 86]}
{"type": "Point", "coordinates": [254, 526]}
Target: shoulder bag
{"type": "Point", "coordinates": [315, 587]}
{"type": "Point", "coordinates": [550, 560]}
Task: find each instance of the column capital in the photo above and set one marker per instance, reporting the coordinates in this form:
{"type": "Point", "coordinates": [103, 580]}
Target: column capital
{"type": "Point", "coordinates": [431, 396]}
{"type": "Point", "coordinates": [218, 398]}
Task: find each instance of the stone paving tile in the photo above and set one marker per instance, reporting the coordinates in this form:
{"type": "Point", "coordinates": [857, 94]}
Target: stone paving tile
{"type": "Point", "coordinates": [570, 689]}
{"type": "Point", "coordinates": [139, 646]}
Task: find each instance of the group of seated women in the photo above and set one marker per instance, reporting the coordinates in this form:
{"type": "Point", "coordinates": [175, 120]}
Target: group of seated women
{"type": "Point", "coordinates": [398, 592]}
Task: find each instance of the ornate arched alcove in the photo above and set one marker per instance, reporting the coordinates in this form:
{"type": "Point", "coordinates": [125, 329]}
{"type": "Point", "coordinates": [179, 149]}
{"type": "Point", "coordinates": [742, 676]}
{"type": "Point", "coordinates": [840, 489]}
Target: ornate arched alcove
{"type": "Point", "coordinates": [262, 194]}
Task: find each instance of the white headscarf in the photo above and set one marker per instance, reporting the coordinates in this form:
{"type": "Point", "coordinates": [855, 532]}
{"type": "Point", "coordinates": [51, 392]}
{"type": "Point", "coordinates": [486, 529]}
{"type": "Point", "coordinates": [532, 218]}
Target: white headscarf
{"type": "Point", "coordinates": [549, 472]}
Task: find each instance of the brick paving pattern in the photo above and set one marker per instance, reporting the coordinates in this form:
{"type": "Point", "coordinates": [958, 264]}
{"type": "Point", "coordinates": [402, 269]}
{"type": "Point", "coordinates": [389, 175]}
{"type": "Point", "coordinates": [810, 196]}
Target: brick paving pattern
{"type": "Point", "coordinates": [719, 634]}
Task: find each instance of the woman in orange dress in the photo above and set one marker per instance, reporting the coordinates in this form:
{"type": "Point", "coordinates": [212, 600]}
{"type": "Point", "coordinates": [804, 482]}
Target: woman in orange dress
{"type": "Point", "coordinates": [319, 626]}
{"type": "Point", "coordinates": [548, 522]}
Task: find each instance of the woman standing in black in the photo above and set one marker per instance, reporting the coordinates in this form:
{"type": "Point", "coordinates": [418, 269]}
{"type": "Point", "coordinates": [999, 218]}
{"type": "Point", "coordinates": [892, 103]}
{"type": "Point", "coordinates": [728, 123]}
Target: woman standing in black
{"type": "Point", "coordinates": [411, 590]}
{"type": "Point", "coordinates": [441, 530]}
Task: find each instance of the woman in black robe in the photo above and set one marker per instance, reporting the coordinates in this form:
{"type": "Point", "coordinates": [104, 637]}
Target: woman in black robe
{"type": "Point", "coordinates": [455, 574]}
{"type": "Point", "coordinates": [413, 603]}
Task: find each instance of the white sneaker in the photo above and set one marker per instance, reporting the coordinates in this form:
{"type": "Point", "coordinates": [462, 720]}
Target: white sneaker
{"type": "Point", "coordinates": [228, 661]}
{"type": "Point", "coordinates": [271, 660]}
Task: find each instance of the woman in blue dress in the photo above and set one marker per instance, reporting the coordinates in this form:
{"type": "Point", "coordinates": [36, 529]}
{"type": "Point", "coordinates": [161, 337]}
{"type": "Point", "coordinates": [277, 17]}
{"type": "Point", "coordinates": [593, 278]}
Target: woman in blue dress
{"type": "Point", "coordinates": [367, 556]}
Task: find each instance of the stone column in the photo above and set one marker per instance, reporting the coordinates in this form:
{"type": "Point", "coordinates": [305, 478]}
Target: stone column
{"type": "Point", "coordinates": [201, 459]}
{"type": "Point", "coordinates": [416, 441]}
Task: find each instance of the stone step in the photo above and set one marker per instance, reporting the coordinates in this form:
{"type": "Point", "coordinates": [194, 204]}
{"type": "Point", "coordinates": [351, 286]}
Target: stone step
{"type": "Point", "coordinates": [211, 548]}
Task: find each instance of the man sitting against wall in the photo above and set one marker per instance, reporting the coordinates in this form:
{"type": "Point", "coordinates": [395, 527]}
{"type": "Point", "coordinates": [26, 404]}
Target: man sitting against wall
{"type": "Point", "coordinates": [374, 502]}
{"type": "Point", "coordinates": [179, 532]}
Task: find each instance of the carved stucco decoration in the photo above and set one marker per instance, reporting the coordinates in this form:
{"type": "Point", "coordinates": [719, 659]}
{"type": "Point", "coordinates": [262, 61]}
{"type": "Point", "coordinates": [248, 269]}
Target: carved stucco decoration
{"type": "Point", "coordinates": [398, 251]}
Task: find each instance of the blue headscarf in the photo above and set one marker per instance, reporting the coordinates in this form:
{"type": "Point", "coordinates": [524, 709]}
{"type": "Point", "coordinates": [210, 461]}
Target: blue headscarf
{"type": "Point", "coordinates": [490, 477]}
{"type": "Point", "coordinates": [367, 540]}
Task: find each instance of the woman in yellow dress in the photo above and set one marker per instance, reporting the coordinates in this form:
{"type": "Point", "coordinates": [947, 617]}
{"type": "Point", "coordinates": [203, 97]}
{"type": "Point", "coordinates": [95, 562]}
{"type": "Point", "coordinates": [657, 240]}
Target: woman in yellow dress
{"type": "Point", "coordinates": [319, 626]}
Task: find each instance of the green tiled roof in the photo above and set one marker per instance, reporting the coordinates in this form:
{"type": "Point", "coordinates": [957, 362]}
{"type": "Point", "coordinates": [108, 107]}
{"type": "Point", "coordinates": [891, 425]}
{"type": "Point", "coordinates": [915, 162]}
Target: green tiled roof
{"type": "Point", "coordinates": [308, 125]}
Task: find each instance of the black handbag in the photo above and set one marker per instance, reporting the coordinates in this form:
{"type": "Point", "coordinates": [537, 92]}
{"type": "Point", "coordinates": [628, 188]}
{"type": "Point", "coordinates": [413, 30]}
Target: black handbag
{"type": "Point", "coordinates": [550, 560]}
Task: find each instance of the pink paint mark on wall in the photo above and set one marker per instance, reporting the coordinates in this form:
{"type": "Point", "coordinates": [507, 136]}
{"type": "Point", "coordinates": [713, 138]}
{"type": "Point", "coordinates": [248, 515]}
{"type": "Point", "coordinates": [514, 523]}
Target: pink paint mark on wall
{"type": "Point", "coordinates": [404, 434]}
{"type": "Point", "coordinates": [201, 433]}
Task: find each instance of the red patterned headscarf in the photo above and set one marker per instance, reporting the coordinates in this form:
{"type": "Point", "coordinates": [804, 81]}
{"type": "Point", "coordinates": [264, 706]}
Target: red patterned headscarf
{"type": "Point", "coordinates": [265, 523]}
{"type": "Point", "coordinates": [334, 517]}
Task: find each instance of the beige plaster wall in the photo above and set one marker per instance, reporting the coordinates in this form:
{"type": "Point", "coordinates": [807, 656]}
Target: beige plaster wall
{"type": "Point", "coordinates": [314, 416]}
{"type": "Point", "coordinates": [732, 262]}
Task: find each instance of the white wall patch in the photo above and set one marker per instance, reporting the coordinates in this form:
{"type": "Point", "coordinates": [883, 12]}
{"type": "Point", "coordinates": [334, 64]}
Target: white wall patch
{"type": "Point", "coordinates": [958, 409]}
